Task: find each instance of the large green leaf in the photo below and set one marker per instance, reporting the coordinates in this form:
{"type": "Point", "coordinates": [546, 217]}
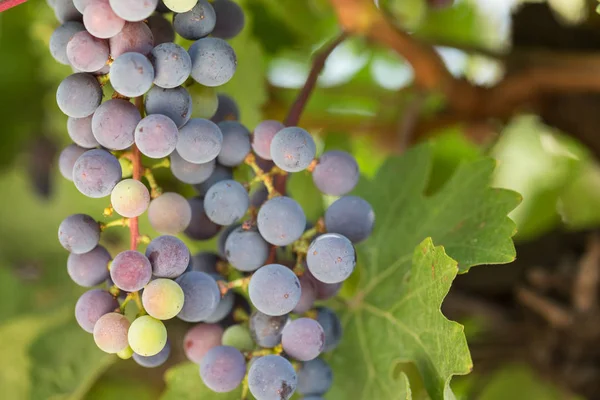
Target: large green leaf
{"type": "Point", "coordinates": [394, 314]}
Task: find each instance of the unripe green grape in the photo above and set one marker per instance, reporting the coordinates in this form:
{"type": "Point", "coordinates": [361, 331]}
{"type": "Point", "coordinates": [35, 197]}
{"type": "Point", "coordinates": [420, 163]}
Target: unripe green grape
{"type": "Point", "coordinates": [126, 353]}
{"type": "Point", "coordinates": [180, 6]}
{"type": "Point", "coordinates": [238, 336]}
{"type": "Point", "coordinates": [130, 198]}
{"type": "Point", "coordinates": [163, 298]}
{"type": "Point", "coordinates": [110, 332]}
{"type": "Point", "coordinates": [147, 336]}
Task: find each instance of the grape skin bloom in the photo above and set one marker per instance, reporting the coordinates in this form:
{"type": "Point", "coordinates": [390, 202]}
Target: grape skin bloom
{"type": "Point", "coordinates": [191, 173]}
{"type": "Point", "coordinates": [79, 233]}
{"type": "Point", "coordinates": [246, 250]}
{"type": "Point", "coordinates": [196, 23]}
{"type": "Point", "coordinates": [79, 95]}
{"type": "Point", "coordinates": [156, 360]}
{"type": "Point", "coordinates": [89, 269]}
{"type": "Point", "coordinates": [226, 202]}
{"type": "Point", "coordinates": [199, 339]}
{"type": "Point", "coordinates": [110, 333]}
{"type": "Point", "coordinates": [315, 377]}
{"type": "Point", "coordinates": [223, 368]}
{"type": "Point", "coordinates": [174, 103]}
{"type": "Point", "coordinates": [172, 65]}
{"type": "Point", "coordinates": [293, 149]}
{"type": "Point", "coordinates": [130, 271]}
{"type": "Point", "coordinates": [236, 143]}
{"type": "Point", "coordinates": [213, 61]}
{"type": "Point", "coordinates": [352, 217]}
{"type": "Point", "coordinates": [114, 122]}
{"type": "Point", "coordinates": [331, 258]}
{"type": "Point", "coordinates": [266, 329]}
{"type": "Point", "coordinates": [92, 305]}
{"type": "Point", "coordinates": [156, 136]}
{"type": "Point", "coordinates": [168, 255]}
{"type": "Point", "coordinates": [170, 213]}
{"type": "Point", "coordinates": [200, 141]}
{"type": "Point", "coordinates": [80, 132]}
{"type": "Point", "coordinates": [274, 290]}
{"type": "Point", "coordinates": [281, 221]}
{"type": "Point", "coordinates": [303, 339]}
{"type": "Point", "coordinates": [272, 378]}
{"type": "Point", "coordinates": [336, 173]}
{"type": "Point", "coordinates": [67, 159]}
{"type": "Point", "coordinates": [131, 74]}
{"type": "Point", "coordinates": [202, 295]}
{"type": "Point", "coordinates": [162, 298]}
{"type": "Point", "coordinates": [263, 136]}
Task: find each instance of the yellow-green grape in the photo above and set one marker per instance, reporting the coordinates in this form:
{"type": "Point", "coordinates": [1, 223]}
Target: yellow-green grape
{"type": "Point", "coordinates": [163, 298]}
{"type": "Point", "coordinates": [147, 336]}
{"type": "Point", "coordinates": [204, 101]}
{"type": "Point", "coordinates": [110, 332]}
{"type": "Point", "coordinates": [130, 198]}
{"type": "Point", "coordinates": [125, 354]}
{"type": "Point", "coordinates": [238, 336]}
{"type": "Point", "coordinates": [180, 6]}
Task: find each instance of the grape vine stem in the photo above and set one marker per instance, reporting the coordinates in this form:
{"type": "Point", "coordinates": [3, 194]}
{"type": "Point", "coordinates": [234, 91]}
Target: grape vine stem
{"type": "Point", "coordinates": [138, 170]}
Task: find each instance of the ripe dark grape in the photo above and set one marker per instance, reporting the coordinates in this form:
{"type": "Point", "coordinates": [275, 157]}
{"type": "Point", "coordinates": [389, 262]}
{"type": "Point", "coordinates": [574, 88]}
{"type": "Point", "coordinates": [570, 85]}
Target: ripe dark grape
{"type": "Point", "coordinates": [315, 377]}
{"type": "Point", "coordinates": [80, 5]}
{"type": "Point", "coordinates": [170, 213]}
{"type": "Point", "coordinates": [168, 255]}
{"type": "Point", "coordinates": [293, 149]}
{"type": "Point", "coordinates": [60, 39]}
{"type": "Point", "coordinates": [202, 296]}
{"type": "Point", "coordinates": [259, 197]}
{"type": "Point", "coordinates": [89, 269]}
{"type": "Point", "coordinates": [196, 23]}
{"type": "Point", "coordinates": [223, 309]}
{"type": "Point", "coordinates": [130, 198]}
{"type": "Point", "coordinates": [223, 368]}
{"type": "Point", "coordinates": [80, 131]}
{"type": "Point", "coordinates": [263, 136]}
{"type": "Point", "coordinates": [274, 290]}
{"type": "Point", "coordinates": [86, 52]}
{"type": "Point", "coordinates": [114, 122]}
{"type": "Point", "coordinates": [281, 221]}
{"type": "Point", "coordinates": [220, 173]}
{"type": "Point", "coordinates": [223, 238]}
{"type": "Point", "coordinates": [101, 21]}
{"type": "Point", "coordinates": [131, 74]}
{"type": "Point", "coordinates": [175, 103]}
{"type": "Point", "coordinates": [200, 339]}
{"type": "Point", "coordinates": [230, 19]}
{"type": "Point", "coordinates": [188, 172]}
{"type": "Point", "coordinates": [79, 95]}
{"type": "Point", "coordinates": [213, 61]}
{"type": "Point", "coordinates": [156, 136]}
{"type": "Point", "coordinates": [156, 360]}
{"type": "Point", "coordinates": [92, 305]}
{"type": "Point", "coordinates": [332, 327]}
{"type": "Point", "coordinates": [172, 65]}
{"type": "Point", "coordinates": [331, 258]}
{"type": "Point", "coordinates": [200, 227]}
{"type": "Point", "coordinates": [135, 37]}
{"type": "Point", "coordinates": [336, 173]}
{"type": "Point", "coordinates": [226, 202]}
{"type": "Point", "coordinates": [162, 298]}
{"type": "Point", "coordinates": [96, 172]}
{"type": "Point", "coordinates": [147, 336]}
{"type": "Point", "coordinates": [200, 141]}
{"type": "Point", "coordinates": [205, 261]}
{"type": "Point", "coordinates": [308, 295]}
{"type": "Point", "coordinates": [324, 290]}
{"type": "Point", "coordinates": [352, 217]}
{"type": "Point", "coordinates": [272, 378]}
{"type": "Point", "coordinates": [236, 143]}
{"type": "Point", "coordinates": [64, 10]}
{"type": "Point", "coordinates": [67, 159]}
{"type": "Point", "coordinates": [133, 10]}
{"type": "Point", "coordinates": [303, 339]}
{"type": "Point", "coordinates": [110, 332]}
{"type": "Point", "coordinates": [266, 329]}
{"type": "Point", "coordinates": [227, 110]}
{"type": "Point", "coordinates": [79, 233]}
{"type": "Point", "coordinates": [161, 29]}
{"type": "Point", "coordinates": [246, 250]}
{"type": "Point", "coordinates": [130, 271]}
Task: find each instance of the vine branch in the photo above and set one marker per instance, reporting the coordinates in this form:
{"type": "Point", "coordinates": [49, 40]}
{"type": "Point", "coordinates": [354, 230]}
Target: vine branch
{"type": "Point", "coordinates": [138, 170]}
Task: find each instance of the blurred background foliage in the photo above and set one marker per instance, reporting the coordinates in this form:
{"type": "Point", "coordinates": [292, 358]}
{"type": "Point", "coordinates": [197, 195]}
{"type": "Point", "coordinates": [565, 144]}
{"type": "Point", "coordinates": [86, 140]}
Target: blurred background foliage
{"type": "Point", "coordinates": [363, 104]}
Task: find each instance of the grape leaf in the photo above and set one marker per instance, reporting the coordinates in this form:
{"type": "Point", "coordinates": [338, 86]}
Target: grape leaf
{"type": "Point", "coordinates": [394, 315]}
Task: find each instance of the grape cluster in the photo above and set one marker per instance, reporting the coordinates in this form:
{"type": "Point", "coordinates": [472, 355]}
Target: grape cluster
{"type": "Point", "coordinates": [272, 266]}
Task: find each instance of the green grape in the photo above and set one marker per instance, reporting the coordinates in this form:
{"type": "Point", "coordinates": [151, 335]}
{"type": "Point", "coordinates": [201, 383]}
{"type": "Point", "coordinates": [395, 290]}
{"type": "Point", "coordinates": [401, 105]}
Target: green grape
{"type": "Point", "coordinates": [238, 336]}
{"type": "Point", "coordinates": [130, 198]}
{"type": "Point", "coordinates": [147, 336]}
{"type": "Point", "coordinates": [126, 353]}
{"type": "Point", "coordinates": [163, 298]}
{"type": "Point", "coordinates": [204, 101]}
{"type": "Point", "coordinates": [180, 6]}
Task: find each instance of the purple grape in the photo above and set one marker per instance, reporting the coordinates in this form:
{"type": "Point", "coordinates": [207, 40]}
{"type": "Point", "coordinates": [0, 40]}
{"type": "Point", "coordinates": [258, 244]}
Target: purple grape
{"type": "Point", "coordinates": [175, 103]}
{"type": "Point", "coordinates": [64, 10]}
{"type": "Point", "coordinates": [263, 136]}
{"type": "Point", "coordinates": [204, 261]}
{"type": "Point", "coordinates": [188, 172]}
{"type": "Point", "coordinates": [324, 290]}
{"type": "Point", "coordinates": [80, 5]}
{"type": "Point", "coordinates": [202, 296]}
{"type": "Point", "coordinates": [246, 250]}
{"type": "Point", "coordinates": [281, 221]}
{"type": "Point", "coordinates": [293, 149]}
{"type": "Point", "coordinates": [96, 172]}
{"type": "Point", "coordinates": [86, 52]}
{"type": "Point", "coordinates": [156, 360]}
{"type": "Point", "coordinates": [259, 197]}
{"type": "Point", "coordinates": [172, 65]}
{"type": "Point", "coordinates": [162, 30]}
{"type": "Point", "coordinates": [332, 327]}
{"type": "Point", "coordinates": [213, 61]}
{"type": "Point", "coordinates": [60, 39]}
{"type": "Point", "coordinates": [223, 238]}
{"type": "Point", "coordinates": [79, 233]}
{"type": "Point", "coordinates": [170, 213]}
{"type": "Point", "coordinates": [133, 10]}
{"type": "Point", "coordinates": [352, 217]}
{"type": "Point", "coordinates": [130, 271]}
{"type": "Point", "coordinates": [230, 19]}
{"type": "Point", "coordinates": [200, 227]}
{"type": "Point", "coordinates": [315, 378]}
{"type": "Point", "coordinates": [168, 255]}
{"type": "Point", "coordinates": [219, 174]}
{"type": "Point", "coordinates": [274, 290]}
{"type": "Point", "coordinates": [200, 141]}
{"type": "Point", "coordinates": [80, 131]}
{"type": "Point", "coordinates": [236, 143]}
{"type": "Point", "coordinates": [135, 37]}
{"type": "Point", "coordinates": [266, 329]}
{"type": "Point", "coordinates": [89, 269]}
{"type": "Point", "coordinates": [114, 122]}
{"type": "Point", "coordinates": [227, 110]}
{"type": "Point", "coordinates": [200, 339]}
{"type": "Point", "coordinates": [79, 95]}
{"type": "Point", "coordinates": [336, 173]}
{"type": "Point", "coordinates": [131, 74]}
{"type": "Point", "coordinates": [224, 308]}
{"type": "Point", "coordinates": [156, 136]}
{"type": "Point", "coordinates": [303, 339]}
{"type": "Point", "coordinates": [92, 305]}
{"type": "Point", "coordinates": [223, 368]}
{"type": "Point", "coordinates": [272, 378]}
{"type": "Point", "coordinates": [67, 159]}
{"type": "Point", "coordinates": [331, 258]}
{"type": "Point", "coordinates": [196, 23]}
{"type": "Point", "coordinates": [226, 202]}
{"type": "Point", "coordinates": [101, 21]}
{"type": "Point", "coordinates": [308, 295]}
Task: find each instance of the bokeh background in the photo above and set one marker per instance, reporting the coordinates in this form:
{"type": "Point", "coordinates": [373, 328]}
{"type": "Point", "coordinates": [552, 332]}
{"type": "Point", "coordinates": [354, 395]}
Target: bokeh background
{"type": "Point", "coordinates": [365, 103]}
